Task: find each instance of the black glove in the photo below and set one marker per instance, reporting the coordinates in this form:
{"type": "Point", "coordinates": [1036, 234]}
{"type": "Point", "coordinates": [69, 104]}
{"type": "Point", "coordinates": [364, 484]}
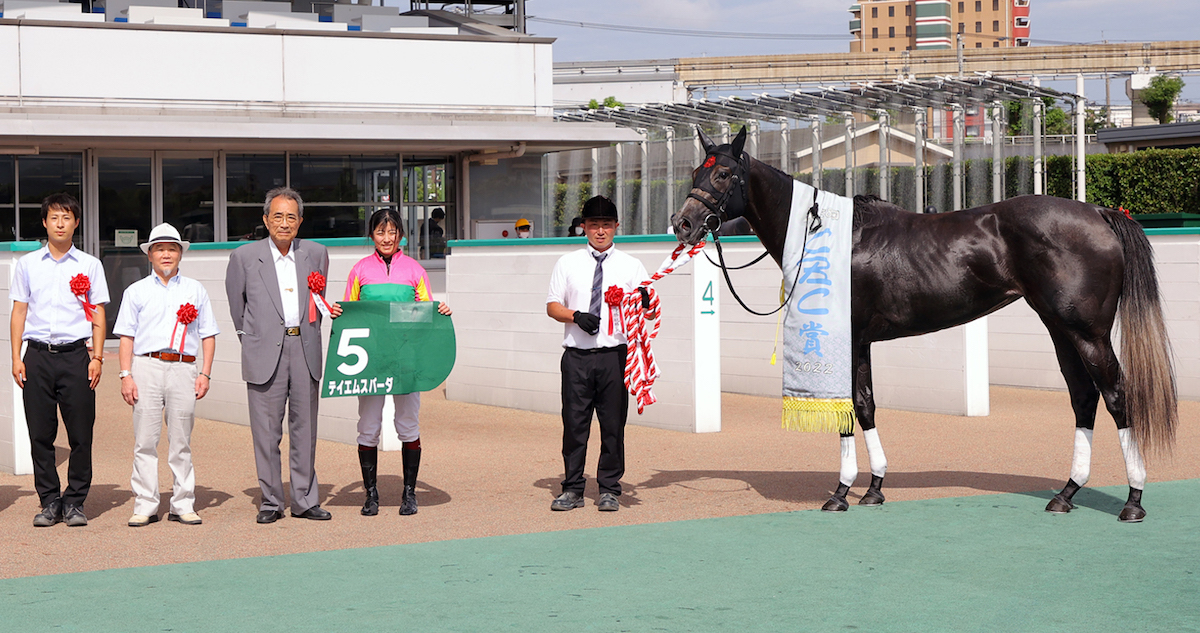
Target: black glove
{"type": "Point", "coordinates": [588, 322]}
{"type": "Point", "coordinates": [645, 297]}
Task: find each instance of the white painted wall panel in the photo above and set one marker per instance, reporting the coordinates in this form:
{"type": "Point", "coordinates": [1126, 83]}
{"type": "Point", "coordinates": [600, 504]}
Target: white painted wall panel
{"type": "Point", "coordinates": [151, 64]}
{"type": "Point", "coordinates": [10, 70]}
{"type": "Point", "coordinates": [319, 69]}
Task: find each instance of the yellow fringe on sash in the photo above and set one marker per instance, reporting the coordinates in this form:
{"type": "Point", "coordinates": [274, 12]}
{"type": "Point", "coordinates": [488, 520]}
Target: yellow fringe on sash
{"type": "Point", "coordinates": [818, 414]}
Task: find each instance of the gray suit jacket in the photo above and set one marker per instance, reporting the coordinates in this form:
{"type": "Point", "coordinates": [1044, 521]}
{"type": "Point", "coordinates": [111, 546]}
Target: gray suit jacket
{"type": "Point", "coordinates": [257, 311]}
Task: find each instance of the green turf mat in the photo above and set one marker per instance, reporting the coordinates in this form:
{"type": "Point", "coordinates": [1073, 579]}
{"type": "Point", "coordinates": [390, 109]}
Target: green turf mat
{"type": "Point", "coordinates": [981, 563]}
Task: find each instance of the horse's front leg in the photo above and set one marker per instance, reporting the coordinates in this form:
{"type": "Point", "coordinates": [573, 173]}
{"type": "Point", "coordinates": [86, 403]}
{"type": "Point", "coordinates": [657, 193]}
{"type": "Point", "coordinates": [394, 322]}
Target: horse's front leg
{"type": "Point", "coordinates": [864, 409]}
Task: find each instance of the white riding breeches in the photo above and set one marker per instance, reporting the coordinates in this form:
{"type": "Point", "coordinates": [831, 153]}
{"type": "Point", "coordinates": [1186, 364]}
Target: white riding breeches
{"type": "Point", "coordinates": [370, 418]}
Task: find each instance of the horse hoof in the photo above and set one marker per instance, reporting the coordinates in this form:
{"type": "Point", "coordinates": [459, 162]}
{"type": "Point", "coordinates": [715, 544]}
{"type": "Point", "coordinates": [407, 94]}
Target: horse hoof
{"type": "Point", "coordinates": [835, 504]}
{"type": "Point", "coordinates": [1131, 514]}
{"type": "Point", "coordinates": [872, 498]}
{"type": "Point", "coordinates": [1060, 505]}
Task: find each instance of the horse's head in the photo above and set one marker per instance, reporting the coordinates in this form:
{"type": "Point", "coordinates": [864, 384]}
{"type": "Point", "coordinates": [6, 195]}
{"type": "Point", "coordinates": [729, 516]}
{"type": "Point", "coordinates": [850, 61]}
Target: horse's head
{"type": "Point", "coordinates": [719, 190]}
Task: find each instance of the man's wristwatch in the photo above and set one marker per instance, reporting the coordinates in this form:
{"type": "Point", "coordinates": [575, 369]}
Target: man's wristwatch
{"type": "Point", "coordinates": [123, 373]}
{"type": "Point", "coordinates": [98, 358]}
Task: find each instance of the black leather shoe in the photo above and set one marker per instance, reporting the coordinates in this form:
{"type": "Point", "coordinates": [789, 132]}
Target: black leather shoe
{"type": "Point", "coordinates": [608, 502]}
{"type": "Point", "coordinates": [315, 513]}
{"type": "Point", "coordinates": [74, 516]}
{"type": "Point", "coordinates": [567, 501]}
{"type": "Point", "coordinates": [269, 516]}
{"type": "Point", "coordinates": [49, 515]}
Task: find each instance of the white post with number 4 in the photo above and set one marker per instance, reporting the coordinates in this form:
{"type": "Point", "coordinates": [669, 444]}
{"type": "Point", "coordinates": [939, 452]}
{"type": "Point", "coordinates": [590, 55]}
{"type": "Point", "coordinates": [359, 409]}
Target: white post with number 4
{"type": "Point", "coordinates": [706, 341]}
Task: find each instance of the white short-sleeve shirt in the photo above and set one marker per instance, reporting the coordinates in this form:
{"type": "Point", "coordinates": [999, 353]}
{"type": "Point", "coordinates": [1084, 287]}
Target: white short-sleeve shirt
{"type": "Point", "coordinates": [150, 314]}
{"type": "Point", "coordinates": [55, 315]}
{"type": "Point", "coordinates": [571, 285]}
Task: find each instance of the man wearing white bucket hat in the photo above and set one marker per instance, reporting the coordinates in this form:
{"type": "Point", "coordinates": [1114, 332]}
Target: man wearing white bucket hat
{"type": "Point", "coordinates": [164, 320]}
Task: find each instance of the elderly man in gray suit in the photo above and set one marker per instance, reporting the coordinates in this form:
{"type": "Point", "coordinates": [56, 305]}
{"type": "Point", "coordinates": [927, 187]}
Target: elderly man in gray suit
{"type": "Point", "coordinates": [267, 285]}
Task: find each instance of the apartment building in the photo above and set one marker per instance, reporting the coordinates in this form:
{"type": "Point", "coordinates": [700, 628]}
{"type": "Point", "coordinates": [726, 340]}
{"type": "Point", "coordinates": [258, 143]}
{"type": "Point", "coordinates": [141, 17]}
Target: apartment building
{"type": "Point", "coordinates": [899, 25]}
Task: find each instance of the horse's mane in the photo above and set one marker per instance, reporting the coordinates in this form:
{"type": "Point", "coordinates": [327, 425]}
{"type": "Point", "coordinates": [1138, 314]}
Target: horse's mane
{"type": "Point", "coordinates": [870, 209]}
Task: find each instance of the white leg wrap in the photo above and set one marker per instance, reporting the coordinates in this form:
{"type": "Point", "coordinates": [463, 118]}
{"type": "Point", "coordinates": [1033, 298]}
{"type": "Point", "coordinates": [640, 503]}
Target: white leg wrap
{"type": "Point", "coordinates": [849, 462]}
{"type": "Point", "coordinates": [1135, 469]}
{"type": "Point", "coordinates": [875, 453]}
{"type": "Point", "coordinates": [1081, 465]}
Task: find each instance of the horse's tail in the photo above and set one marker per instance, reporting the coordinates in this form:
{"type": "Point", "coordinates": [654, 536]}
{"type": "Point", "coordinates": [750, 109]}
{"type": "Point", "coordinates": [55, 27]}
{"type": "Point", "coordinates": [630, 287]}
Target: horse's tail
{"type": "Point", "coordinates": [1147, 373]}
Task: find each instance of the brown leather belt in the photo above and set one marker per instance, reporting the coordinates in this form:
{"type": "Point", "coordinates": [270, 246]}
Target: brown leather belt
{"type": "Point", "coordinates": [172, 357]}
{"type": "Point", "coordinates": [292, 331]}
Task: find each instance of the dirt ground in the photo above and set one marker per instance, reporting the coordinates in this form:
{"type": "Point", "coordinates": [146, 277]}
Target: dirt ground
{"type": "Point", "coordinates": [489, 471]}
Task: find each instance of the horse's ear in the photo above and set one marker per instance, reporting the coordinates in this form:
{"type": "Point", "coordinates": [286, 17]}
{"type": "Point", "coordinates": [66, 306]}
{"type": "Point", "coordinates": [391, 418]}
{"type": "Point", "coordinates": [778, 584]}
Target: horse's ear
{"type": "Point", "coordinates": [739, 142]}
{"type": "Point", "coordinates": [705, 142]}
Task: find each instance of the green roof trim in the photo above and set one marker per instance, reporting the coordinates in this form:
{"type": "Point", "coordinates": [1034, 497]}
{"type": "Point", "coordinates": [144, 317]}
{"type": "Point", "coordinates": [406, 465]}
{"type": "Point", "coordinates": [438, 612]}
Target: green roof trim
{"type": "Point", "coordinates": [620, 239]}
{"type": "Point", "coordinates": [326, 241]}
{"type": "Point", "coordinates": [20, 247]}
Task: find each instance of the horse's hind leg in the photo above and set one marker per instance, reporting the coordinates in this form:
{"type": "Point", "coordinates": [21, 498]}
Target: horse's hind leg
{"type": "Point", "coordinates": [1084, 398]}
{"type": "Point", "coordinates": [1100, 362]}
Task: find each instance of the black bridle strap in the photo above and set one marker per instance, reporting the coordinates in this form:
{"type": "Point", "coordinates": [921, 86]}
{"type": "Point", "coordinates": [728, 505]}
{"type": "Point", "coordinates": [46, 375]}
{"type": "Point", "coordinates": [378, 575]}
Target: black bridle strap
{"type": "Point", "coordinates": [814, 224]}
{"type": "Point", "coordinates": [753, 262]}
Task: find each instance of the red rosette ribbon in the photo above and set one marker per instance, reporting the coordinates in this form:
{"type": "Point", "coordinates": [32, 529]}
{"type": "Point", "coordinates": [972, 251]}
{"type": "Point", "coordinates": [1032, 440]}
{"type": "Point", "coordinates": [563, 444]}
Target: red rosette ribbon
{"type": "Point", "coordinates": [316, 286]}
{"type": "Point", "coordinates": [183, 316]}
{"type": "Point", "coordinates": [80, 287]}
{"type": "Point", "coordinates": [613, 297]}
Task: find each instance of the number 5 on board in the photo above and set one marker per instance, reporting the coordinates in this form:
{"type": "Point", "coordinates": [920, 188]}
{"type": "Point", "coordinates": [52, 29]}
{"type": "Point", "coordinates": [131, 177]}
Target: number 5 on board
{"type": "Point", "coordinates": [344, 349]}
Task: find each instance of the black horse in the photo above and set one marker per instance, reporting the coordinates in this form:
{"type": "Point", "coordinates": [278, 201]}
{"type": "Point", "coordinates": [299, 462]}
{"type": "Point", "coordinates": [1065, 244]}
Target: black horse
{"type": "Point", "coordinates": [1074, 263]}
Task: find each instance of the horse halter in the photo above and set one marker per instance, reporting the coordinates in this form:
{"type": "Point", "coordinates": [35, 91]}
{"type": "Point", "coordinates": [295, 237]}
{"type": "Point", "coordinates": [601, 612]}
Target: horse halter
{"type": "Point", "coordinates": [718, 206]}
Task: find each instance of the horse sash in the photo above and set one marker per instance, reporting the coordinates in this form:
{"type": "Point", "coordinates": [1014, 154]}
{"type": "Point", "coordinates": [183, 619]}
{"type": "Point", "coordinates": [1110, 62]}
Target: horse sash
{"type": "Point", "coordinates": [817, 351]}
{"type": "Point", "coordinates": [380, 347]}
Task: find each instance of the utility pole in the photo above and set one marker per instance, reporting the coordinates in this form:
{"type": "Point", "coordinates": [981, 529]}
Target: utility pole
{"type": "Point", "coordinates": [959, 38]}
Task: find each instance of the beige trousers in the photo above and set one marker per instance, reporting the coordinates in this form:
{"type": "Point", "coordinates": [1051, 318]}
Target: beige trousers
{"type": "Point", "coordinates": [166, 392]}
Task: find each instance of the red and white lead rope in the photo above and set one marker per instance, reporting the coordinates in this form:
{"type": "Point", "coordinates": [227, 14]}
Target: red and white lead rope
{"type": "Point", "coordinates": [640, 368]}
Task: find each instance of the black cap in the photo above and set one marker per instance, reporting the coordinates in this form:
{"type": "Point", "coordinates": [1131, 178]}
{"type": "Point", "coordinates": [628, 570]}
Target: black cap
{"type": "Point", "coordinates": [599, 207]}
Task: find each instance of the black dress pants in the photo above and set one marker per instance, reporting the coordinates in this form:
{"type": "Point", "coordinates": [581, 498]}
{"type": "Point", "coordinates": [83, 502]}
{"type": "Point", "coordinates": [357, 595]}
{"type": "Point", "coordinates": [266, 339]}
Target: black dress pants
{"type": "Point", "coordinates": [594, 380]}
{"type": "Point", "coordinates": [55, 380]}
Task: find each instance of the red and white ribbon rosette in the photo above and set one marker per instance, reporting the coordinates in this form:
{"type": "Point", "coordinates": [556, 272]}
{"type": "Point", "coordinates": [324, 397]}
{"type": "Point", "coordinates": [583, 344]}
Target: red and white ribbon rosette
{"type": "Point", "coordinates": [80, 287]}
{"type": "Point", "coordinates": [316, 285]}
{"type": "Point", "coordinates": [184, 316]}
{"type": "Point", "coordinates": [613, 297]}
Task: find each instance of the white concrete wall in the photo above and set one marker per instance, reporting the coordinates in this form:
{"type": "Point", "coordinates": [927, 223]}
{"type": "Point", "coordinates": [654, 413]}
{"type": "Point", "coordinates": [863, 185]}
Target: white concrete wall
{"type": "Point", "coordinates": [14, 435]}
{"type": "Point", "coordinates": [509, 350]}
{"type": "Point", "coordinates": [319, 69]}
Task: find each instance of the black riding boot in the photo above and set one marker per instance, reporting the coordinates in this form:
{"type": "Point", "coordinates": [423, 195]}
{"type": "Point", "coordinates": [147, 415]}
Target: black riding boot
{"type": "Point", "coordinates": [368, 458]}
{"type": "Point", "coordinates": [412, 463]}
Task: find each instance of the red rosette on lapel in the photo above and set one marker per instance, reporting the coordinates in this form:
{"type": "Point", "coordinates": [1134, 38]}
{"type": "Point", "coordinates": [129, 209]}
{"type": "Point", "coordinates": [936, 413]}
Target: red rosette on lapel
{"type": "Point", "coordinates": [183, 316]}
{"type": "Point", "coordinates": [316, 300]}
{"type": "Point", "coordinates": [80, 287]}
{"type": "Point", "coordinates": [614, 296]}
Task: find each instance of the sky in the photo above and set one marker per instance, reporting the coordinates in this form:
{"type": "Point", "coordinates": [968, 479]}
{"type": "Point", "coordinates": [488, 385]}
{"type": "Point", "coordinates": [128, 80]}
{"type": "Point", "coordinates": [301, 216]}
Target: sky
{"type": "Point", "coordinates": [1052, 22]}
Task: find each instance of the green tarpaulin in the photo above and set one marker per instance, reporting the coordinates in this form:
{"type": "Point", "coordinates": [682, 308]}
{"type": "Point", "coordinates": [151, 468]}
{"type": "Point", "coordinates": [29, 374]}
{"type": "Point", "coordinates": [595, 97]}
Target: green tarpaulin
{"type": "Point", "coordinates": [379, 348]}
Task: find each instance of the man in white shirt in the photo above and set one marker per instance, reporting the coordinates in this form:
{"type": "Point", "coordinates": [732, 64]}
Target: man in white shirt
{"type": "Point", "coordinates": [165, 319]}
{"type": "Point", "coordinates": [57, 371]}
{"type": "Point", "coordinates": [593, 361]}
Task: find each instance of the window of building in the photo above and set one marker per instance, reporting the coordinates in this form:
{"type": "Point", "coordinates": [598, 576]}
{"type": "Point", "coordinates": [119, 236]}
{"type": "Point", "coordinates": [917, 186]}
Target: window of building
{"type": "Point", "coordinates": [891, 31]}
{"type": "Point", "coordinates": [874, 12]}
{"type": "Point", "coordinates": [891, 12]}
{"type": "Point", "coordinates": [248, 178]}
{"type": "Point", "coordinates": [341, 192]}
{"type": "Point", "coordinates": [996, 44]}
{"type": "Point", "coordinates": [8, 193]}
{"type": "Point", "coordinates": [874, 50]}
{"type": "Point", "coordinates": [979, 27]}
{"type": "Point", "coordinates": [995, 25]}
{"type": "Point", "coordinates": [892, 48]}
{"type": "Point", "coordinates": [187, 193]}
{"type": "Point", "coordinates": [1022, 22]}
{"type": "Point", "coordinates": [907, 10]}
{"type": "Point", "coordinates": [995, 5]}
{"type": "Point", "coordinates": [874, 32]}
{"type": "Point", "coordinates": [961, 7]}
{"type": "Point", "coordinates": [39, 176]}
{"type": "Point", "coordinates": [1021, 3]}
{"type": "Point", "coordinates": [978, 44]}
{"type": "Point", "coordinates": [962, 27]}
{"type": "Point", "coordinates": [908, 30]}
{"type": "Point", "coordinates": [978, 5]}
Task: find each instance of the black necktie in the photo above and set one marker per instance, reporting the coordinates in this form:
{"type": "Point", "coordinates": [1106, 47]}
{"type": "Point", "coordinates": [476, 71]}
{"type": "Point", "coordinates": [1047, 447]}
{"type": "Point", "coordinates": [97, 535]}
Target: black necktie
{"type": "Point", "coordinates": [597, 284]}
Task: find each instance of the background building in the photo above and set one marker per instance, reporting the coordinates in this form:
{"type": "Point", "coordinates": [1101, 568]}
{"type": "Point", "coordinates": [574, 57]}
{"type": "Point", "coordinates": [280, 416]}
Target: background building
{"type": "Point", "coordinates": [904, 25]}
